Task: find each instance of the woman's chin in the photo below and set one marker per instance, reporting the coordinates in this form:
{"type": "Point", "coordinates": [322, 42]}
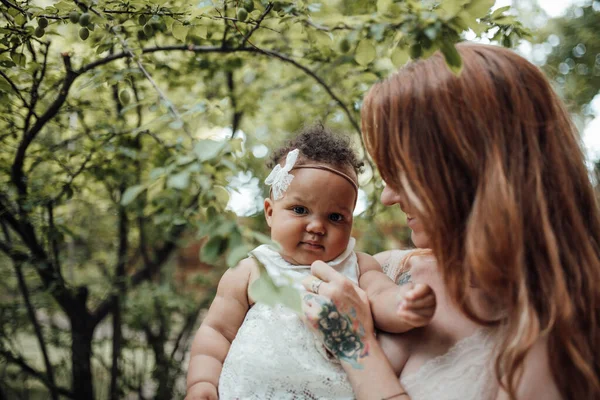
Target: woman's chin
{"type": "Point", "coordinates": [420, 240]}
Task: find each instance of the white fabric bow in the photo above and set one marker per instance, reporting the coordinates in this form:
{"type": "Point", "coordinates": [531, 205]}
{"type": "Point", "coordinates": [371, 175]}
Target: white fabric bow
{"type": "Point", "coordinates": [280, 178]}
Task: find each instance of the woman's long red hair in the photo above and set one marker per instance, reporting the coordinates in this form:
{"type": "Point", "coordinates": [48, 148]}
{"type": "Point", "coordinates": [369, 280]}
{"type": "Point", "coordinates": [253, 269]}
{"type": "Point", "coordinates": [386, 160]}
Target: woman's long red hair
{"type": "Point", "coordinates": [497, 166]}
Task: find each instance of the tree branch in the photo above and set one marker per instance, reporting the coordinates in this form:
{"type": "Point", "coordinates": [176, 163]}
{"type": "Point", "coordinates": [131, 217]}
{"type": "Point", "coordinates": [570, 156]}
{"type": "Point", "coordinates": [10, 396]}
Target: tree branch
{"type": "Point", "coordinates": [81, 168]}
{"type": "Point", "coordinates": [15, 88]}
{"type": "Point", "coordinates": [37, 257]}
{"type": "Point", "coordinates": [237, 115]}
{"type": "Point", "coordinates": [143, 274]}
{"type": "Point", "coordinates": [11, 5]}
{"type": "Point", "coordinates": [117, 342]}
{"type": "Point", "coordinates": [320, 81]}
{"type": "Point", "coordinates": [15, 255]}
{"type": "Point", "coordinates": [130, 54]}
{"type": "Point", "coordinates": [17, 168]}
{"type": "Point", "coordinates": [258, 22]}
{"type": "Point", "coordinates": [53, 241]}
{"type": "Point", "coordinates": [213, 49]}
{"type": "Point", "coordinates": [226, 30]}
{"type": "Point", "coordinates": [38, 330]}
{"type": "Point", "coordinates": [29, 370]}
{"type": "Point", "coordinates": [183, 335]}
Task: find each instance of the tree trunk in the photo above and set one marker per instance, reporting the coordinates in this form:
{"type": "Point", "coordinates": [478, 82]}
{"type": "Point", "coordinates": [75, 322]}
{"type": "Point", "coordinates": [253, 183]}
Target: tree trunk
{"type": "Point", "coordinates": [116, 351]}
{"type": "Point", "coordinates": [82, 331]}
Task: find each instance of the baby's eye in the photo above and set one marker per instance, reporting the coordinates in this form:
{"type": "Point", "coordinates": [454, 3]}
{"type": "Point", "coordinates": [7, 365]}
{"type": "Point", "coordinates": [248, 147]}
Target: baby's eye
{"type": "Point", "coordinates": [335, 217]}
{"type": "Point", "coordinates": [300, 210]}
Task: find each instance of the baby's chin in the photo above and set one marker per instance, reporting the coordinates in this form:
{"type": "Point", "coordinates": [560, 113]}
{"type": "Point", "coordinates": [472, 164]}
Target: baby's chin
{"type": "Point", "coordinates": [303, 260]}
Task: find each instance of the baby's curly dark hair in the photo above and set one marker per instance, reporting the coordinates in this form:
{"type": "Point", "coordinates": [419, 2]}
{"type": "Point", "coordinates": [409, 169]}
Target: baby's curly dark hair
{"type": "Point", "coordinates": [319, 144]}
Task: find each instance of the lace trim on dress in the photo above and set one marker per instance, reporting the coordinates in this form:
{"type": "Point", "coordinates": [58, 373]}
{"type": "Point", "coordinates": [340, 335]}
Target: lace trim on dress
{"type": "Point", "coordinates": [393, 266]}
{"type": "Point", "coordinates": [464, 372]}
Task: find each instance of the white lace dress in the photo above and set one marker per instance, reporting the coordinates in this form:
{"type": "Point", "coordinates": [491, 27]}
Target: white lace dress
{"type": "Point", "coordinates": [465, 372]}
{"type": "Point", "coordinates": [274, 356]}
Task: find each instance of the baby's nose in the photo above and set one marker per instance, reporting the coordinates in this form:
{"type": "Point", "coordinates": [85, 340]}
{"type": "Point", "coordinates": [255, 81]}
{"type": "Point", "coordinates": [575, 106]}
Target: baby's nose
{"type": "Point", "coordinates": [316, 226]}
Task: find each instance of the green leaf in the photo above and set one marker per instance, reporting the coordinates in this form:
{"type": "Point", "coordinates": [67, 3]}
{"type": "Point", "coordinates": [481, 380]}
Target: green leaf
{"type": "Point", "coordinates": [452, 57]}
{"type": "Point", "coordinates": [207, 149]}
{"type": "Point", "coordinates": [449, 8]}
{"type": "Point", "coordinates": [505, 20]}
{"type": "Point", "coordinates": [20, 19]}
{"type": "Point", "coordinates": [263, 290]}
{"type": "Point", "coordinates": [498, 12]}
{"type": "Point", "coordinates": [176, 124]}
{"type": "Point", "coordinates": [4, 85]}
{"type": "Point", "coordinates": [211, 251]}
{"type": "Point", "coordinates": [179, 31]}
{"type": "Point", "coordinates": [131, 193]}
{"type": "Point", "coordinates": [103, 47]}
{"type": "Point", "coordinates": [157, 173]}
{"type": "Point", "coordinates": [222, 195]}
{"type": "Point", "coordinates": [383, 6]}
{"type": "Point", "coordinates": [237, 254]}
{"type": "Point", "coordinates": [399, 57]}
{"type": "Point", "coordinates": [201, 31]}
{"type": "Point", "coordinates": [365, 52]}
{"type": "Point", "coordinates": [464, 21]}
{"type": "Point", "coordinates": [262, 238]}
{"type": "Point", "coordinates": [179, 181]}
{"type": "Point", "coordinates": [19, 59]}
{"type": "Point", "coordinates": [479, 8]}
{"type": "Point", "coordinates": [236, 144]}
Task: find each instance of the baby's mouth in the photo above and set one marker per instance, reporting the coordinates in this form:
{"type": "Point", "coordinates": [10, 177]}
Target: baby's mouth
{"type": "Point", "coordinates": [313, 245]}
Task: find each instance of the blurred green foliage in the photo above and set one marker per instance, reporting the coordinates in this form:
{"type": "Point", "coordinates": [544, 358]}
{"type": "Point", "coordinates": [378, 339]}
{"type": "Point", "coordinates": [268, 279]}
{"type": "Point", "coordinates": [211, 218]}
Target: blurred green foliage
{"type": "Point", "coordinates": [123, 126]}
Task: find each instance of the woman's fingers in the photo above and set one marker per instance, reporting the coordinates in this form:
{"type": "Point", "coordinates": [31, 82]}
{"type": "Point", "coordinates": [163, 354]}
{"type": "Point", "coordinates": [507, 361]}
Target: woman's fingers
{"type": "Point", "coordinates": [325, 272]}
{"type": "Point", "coordinates": [313, 284]}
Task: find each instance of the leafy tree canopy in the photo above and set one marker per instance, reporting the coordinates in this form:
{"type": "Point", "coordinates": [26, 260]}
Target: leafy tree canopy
{"type": "Point", "coordinates": [122, 125]}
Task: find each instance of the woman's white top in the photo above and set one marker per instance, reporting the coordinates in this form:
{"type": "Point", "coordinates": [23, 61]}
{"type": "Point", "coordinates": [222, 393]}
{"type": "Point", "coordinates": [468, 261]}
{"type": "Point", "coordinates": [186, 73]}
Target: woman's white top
{"type": "Point", "coordinates": [465, 372]}
{"type": "Point", "coordinates": [274, 356]}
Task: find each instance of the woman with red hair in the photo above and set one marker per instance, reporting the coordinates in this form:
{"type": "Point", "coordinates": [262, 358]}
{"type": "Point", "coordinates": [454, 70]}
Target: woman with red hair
{"type": "Point", "coordinates": [489, 169]}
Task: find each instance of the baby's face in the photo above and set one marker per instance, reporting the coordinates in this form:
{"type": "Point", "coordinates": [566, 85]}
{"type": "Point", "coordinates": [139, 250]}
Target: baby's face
{"type": "Point", "coordinates": [313, 220]}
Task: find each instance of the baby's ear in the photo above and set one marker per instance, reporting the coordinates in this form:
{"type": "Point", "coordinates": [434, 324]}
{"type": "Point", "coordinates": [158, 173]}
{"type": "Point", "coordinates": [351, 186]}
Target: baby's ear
{"type": "Point", "coordinates": [268, 210]}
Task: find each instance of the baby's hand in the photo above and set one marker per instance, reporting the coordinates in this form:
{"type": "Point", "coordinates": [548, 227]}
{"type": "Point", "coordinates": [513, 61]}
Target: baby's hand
{"type": "Point", "coordinates": [417, 305]}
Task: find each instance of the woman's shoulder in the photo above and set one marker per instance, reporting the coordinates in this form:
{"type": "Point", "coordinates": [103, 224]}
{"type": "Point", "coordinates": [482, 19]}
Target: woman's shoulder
{"type": "Point", "coordinates": [387, 255]}
{"type": "Point", "coordinates": [392, 261]}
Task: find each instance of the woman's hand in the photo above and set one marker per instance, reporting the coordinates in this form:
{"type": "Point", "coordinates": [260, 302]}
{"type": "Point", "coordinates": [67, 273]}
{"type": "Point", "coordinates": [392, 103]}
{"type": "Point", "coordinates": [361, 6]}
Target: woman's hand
{"type": "Point", "coordinates": [338, 311]}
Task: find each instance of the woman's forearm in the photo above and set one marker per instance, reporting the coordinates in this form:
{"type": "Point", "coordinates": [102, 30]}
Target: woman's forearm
{"type": "Point", "coordinates": [374, 378]}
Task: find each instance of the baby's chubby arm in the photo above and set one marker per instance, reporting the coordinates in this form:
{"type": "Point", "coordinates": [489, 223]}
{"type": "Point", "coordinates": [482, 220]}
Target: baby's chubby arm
{"type": "Point", "coordinates": [395, 308]}
{"type": "Point", "coordinates": [213, 339]}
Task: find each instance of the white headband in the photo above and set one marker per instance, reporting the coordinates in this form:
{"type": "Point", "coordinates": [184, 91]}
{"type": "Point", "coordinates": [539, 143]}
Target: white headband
{"type": "Point", "coordinates": [280, 178]}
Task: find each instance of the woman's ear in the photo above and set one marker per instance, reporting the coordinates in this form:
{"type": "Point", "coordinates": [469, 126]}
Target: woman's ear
{"type": "Point", "coordinates": [268, 210]}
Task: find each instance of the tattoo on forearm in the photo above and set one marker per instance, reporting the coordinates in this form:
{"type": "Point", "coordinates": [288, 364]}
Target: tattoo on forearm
{"type": "Point", "coordinates": [342, 333]}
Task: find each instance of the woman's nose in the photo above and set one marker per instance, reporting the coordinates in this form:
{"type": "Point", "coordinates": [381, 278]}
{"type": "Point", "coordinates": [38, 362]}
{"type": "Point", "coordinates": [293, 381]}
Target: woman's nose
{"type": "Point", "coordinates": [316, 226]}
{"type": "Point", "coordinates": [389, 197]}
